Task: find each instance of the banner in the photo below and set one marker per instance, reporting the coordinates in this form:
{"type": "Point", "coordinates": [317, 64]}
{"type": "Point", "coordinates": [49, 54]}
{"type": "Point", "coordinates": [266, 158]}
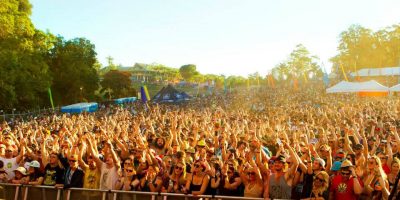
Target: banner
{"type": "Point", "coordinates": [51, 97]}
{"type": "Point", "coordinates": [344, 74]}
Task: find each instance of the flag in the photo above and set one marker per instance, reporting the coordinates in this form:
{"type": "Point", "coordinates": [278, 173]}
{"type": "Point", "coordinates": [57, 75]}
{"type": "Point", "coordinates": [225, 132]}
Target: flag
{"type": "Point", "coordinates": [305, 77]}
{"type": "Point", "coordinates": [51, 97]}
{"type": "Point", "coordinates": [344, 74]}
{"type": "Point", "coordinates": [295, 84]}
{"type": "Point", "coordinates": [225, 86]}
{"type": "Point", "coordinates": [144, 94]}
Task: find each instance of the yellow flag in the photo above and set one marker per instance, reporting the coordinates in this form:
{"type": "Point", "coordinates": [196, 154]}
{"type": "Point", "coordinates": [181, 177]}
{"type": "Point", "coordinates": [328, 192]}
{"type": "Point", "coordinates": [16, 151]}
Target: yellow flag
{"type": "Point", "coordinates": [344, 74]}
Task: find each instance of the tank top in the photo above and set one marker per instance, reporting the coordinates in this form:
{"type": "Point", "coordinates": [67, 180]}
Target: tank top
{"type": "Point", "coordinates": [194, 187]}
{"type": "Point", "coordinates": [255, 190]}
{"type": "Point", "coordinates": [279, 189]}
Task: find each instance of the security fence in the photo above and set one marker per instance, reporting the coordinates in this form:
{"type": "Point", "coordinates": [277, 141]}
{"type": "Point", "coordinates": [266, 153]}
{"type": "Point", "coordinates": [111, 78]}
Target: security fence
{"type": "Point", "coordinates": [27, 192]}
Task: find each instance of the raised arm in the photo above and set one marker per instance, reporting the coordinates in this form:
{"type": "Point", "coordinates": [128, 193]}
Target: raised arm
{"type": "Point", "coordinates": [290, 173]}
{"type": "Point", "coordinates": [94, 153]}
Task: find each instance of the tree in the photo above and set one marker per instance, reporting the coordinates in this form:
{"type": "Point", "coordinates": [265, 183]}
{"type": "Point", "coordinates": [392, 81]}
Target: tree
{"type": "Point", "coordinates": [74, 70]}
{"type": "Point", "coordinates": [24, 77]}
{"type": "Point", "coordinates": [119, 83]}
{"type": "Point", "coordinates": [110, 61]}
{"type": "Point", "coordinates": [188, 71]}
{"type": "Point", "coordinates": [299, 65]}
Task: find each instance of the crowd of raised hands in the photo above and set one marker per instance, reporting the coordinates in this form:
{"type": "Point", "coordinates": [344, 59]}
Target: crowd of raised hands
{"type": "Point", "coordinates": [263, 143]}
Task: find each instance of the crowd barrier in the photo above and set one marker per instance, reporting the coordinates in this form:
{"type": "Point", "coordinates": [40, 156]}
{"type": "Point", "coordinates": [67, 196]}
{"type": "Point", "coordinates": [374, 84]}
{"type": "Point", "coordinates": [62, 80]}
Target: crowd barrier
{"type": "Point", "coordinates": [27, 192]}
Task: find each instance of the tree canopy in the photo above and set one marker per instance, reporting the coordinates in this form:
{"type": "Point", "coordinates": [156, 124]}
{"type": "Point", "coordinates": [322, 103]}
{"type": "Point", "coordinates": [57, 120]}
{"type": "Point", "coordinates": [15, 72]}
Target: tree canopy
{"type": "Point", "coordinates": [117, 84]}
{"type": "Point", "coordinates": [188, 72]}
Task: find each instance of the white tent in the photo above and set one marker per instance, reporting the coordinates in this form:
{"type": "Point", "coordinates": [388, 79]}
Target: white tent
{"type": "Point", "coordinates": [386, 71]}
{"type": "Point", "coordinates": [395, 88]}
{"type": "Point", "coordinates": [343, 86]}
{"type": "Point", "coordinates": [367, 86]}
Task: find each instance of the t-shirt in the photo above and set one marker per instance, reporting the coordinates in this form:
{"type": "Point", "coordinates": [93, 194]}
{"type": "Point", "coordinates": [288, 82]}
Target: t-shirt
{"type": "Point", "coordinates": [53, 175]}
{"type": "Point", "coordinates": [91, 180]}
{"type": "Point", "coordinates": [343, 189]}
{"type": "Point", "coordinates": [10, 164]}
{"type": "Point", "coordinates": [108, 178]}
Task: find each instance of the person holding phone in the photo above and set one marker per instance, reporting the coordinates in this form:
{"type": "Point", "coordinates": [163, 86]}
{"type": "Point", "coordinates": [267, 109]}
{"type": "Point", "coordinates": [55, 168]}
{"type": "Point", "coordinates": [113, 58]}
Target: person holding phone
{"type": "Point", "coordinates": [376, 183]}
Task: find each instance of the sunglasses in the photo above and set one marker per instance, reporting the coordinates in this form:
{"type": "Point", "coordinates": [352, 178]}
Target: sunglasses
{"type": "Point", "coordinates": [320, 179]}
{"type": "Point", "coordinates": [382, 158]}
{"type": "Point", "coordinates": [196, 165]}
{"type": "Point", "coordinates": [371, 162]}
{"type": "Point", "coordinates": [180, 168]}
{"type": "Point", "coordinates": [345, 173]}
{"type": "Point", "coordinates": [72, 160]}
{"type": "Point", "coordinates": [251, 173]}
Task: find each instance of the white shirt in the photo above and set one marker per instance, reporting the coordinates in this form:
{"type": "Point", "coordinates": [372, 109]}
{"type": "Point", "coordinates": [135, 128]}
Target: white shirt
{"type": "Point", "coordinates": [108, 178]}
{"type": "Point", "coordinates": [10, 164]}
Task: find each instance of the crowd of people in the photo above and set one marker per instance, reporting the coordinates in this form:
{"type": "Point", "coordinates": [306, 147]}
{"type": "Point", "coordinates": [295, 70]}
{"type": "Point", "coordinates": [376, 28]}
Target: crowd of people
{"type": "Point", "coordinates": [258, 143]}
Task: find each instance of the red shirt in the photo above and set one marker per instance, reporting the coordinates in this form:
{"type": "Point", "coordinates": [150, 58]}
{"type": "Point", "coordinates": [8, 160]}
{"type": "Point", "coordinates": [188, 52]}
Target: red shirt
{"type": "Point", "coordinates": [343, 190]}
{"type": "Point", "coordinates": [386, 169]}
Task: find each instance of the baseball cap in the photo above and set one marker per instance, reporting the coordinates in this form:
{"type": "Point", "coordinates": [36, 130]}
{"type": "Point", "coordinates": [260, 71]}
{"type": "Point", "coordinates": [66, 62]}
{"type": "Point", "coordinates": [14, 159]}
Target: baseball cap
{"type": "Point", "coordinates": [336, 166]}
{"type": "Point", "coordinates": [22, 170]}
{"type": "Point", "coordinates": [34, 164]}
{"type": "Point", "coordinates": [346, 163]}
{"type": "Point", "coordinates": [321, 162]}
{"type": "Point", "coordinates": [201, 143]}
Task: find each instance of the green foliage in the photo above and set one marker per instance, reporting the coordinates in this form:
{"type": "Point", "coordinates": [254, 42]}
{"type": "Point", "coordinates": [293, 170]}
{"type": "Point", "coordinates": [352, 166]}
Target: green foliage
{"type": "Point", "coordinates": [24, 76]}
{"type": "Point", "coordinates": [300, 65]}
{"type": "Point", "coordinates": [360, 48]}
{"type": "Point", "coordinates": [74, 71]}
{"type": "Point", "coordinates": [188, 72]}
{"type": "Point", "coordinates": [118, 84]}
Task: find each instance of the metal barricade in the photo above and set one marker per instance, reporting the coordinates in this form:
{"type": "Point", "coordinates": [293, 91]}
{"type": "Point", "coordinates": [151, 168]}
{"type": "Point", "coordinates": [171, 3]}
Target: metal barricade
{"type": "Point", "coordinates": [27, 192]}
{"type": "Point", "coordinates": [41, 192]}
{"type": "Point", "coordinates": [86, 194]}
{"type": "Point", "coordinates": [10, 191]}
{"type": "Point", "coordinates": [135, 195]}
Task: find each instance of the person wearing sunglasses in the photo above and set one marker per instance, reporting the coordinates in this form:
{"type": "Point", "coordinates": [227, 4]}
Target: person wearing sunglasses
{"type": "Point", "coordinates": [230, 182]}
{"type": "Point", "coordinates": [320, 187]}
{"type": "Point", "coordinates": [10, 161]}
{"type": "Point", "coordinates": [128, 181]}
{"type": "Point", "coordinates": [177, 180]}
{"type": "Point", "coordinates": [73, 177]}
{"type": "Point", "coordinates": [198, 181]}
{"type": "Point", "coordinates": [346, 185]}
{"type": "Point", "coordinates": [281, 182]}
{"type": "Point", "coordinates": [91, 179]}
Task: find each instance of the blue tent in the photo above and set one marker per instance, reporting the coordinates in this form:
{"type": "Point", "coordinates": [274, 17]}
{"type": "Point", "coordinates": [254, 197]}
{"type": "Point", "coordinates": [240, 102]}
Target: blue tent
{"type": "Point", "coordinates": [80, 107]}
{"type": "Point", "coordinates": [125, 100]}
{"type": "Point", "coordinates": [170, 95]}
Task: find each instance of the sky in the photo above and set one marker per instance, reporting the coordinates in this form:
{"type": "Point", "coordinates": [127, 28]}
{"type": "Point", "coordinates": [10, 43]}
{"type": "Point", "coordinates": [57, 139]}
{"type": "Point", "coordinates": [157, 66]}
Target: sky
{"type": "Point", "coordinates": [230, 37]}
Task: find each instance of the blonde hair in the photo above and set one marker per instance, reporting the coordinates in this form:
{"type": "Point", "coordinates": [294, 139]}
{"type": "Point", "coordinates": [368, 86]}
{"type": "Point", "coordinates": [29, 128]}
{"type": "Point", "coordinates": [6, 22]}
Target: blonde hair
{"type": "Point", "coordinates": [320, 190]}
{"type": "Point", "coordinates": [182, 177]}
{"type": "Point", "coordinates": [379, 163]}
